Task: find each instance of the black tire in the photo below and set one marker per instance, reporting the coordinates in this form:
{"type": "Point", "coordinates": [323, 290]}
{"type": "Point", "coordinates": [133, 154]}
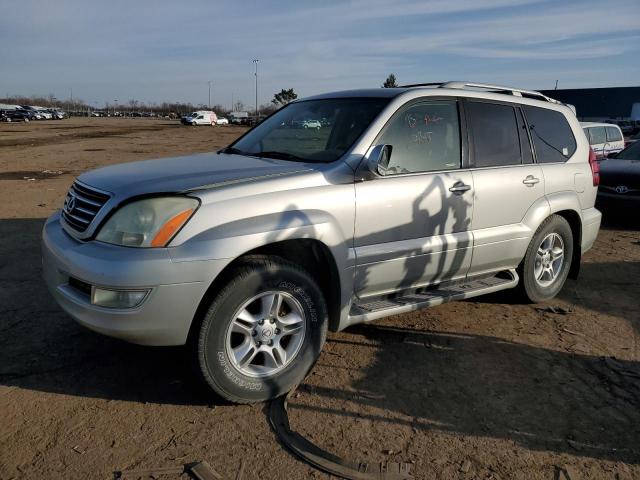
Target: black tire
{"type": "Point", "coordinates": [529, 286]}
{"type": "Point", "coordinates": [252, 277]}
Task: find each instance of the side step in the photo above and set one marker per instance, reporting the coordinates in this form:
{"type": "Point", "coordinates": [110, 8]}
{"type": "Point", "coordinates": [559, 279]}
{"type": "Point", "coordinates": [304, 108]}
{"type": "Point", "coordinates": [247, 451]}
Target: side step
{"type": "Point", "coordinates": [368, 309]}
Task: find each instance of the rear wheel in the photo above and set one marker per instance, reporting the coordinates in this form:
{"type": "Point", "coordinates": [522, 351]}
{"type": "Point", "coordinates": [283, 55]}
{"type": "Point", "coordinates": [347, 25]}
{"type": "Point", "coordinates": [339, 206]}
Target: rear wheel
{"type": "Point", "coordinates": [263, 332]}
{"type": "Point", "coordinates": [546, 264]}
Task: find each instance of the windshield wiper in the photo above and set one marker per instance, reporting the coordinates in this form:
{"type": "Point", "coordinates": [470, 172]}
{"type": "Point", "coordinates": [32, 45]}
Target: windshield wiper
{"type": "Point", "coordinates": [232, 150]}
{"type": "Point", "coordinates": [281, 156]}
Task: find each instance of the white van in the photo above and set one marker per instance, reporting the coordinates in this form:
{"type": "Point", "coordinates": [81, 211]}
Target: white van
{"type": "Point", "coordinates": [201, 117]}
{"type": "Point", "coordinates": [604, 138]}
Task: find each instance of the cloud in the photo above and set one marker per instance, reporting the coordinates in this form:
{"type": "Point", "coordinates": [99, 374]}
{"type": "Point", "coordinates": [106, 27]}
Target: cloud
{"type": "Point", "coordinates": [167, 50]}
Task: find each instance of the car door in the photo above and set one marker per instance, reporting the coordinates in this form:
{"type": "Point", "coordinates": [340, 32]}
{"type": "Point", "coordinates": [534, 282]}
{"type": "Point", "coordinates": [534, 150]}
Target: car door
{"type": "Point", "coordinates": [506, 183]}
{"type": "Point", "coordinates": [412, 223]}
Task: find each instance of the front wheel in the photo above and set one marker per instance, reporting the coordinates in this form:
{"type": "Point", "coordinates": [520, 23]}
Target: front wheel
{"type": "Point", "coordinates": [263, 332]}
{"type": "Point", "coordinates": [547, 261]}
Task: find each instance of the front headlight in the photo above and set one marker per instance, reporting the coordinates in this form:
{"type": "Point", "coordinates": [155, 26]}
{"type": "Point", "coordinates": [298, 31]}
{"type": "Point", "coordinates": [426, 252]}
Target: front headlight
{"type": "Point", "coordinates": [151, 222]}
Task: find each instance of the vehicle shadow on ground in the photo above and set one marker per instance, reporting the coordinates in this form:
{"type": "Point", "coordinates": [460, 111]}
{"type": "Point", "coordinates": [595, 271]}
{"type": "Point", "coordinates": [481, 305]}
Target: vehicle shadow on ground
{"type": "Point", "coordinates": [484, 386]}
{"type": "Point", "coordinates": [42, 348]}
{"type": "Point", "coordinates": [467, 384]}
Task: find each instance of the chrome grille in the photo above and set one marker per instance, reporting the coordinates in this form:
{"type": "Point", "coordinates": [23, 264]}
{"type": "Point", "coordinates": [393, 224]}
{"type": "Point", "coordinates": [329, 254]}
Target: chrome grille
{"type": "Point", "coordinates": [81, 206]}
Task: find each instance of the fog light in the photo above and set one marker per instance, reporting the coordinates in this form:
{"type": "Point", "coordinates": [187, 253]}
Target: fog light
{"type": "Point", "coordinates": [117, 298]}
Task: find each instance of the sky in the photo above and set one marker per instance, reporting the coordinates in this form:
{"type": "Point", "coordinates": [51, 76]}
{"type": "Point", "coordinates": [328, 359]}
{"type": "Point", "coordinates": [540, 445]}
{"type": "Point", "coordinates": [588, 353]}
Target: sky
{"type": "Point", "coordinates": [155, 51]}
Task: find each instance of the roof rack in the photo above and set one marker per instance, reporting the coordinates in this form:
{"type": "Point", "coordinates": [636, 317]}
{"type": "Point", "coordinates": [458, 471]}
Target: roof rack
{"type": "Point", "coordinates": [517, 92]}
{"type": "Point", "coordinates": [432, 84]}
{"type": "Point", "coordinates": [500, 89]}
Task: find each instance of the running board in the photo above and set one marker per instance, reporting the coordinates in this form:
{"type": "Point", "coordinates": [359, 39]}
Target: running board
{"type": "Point", "coordinates": [367, 310]}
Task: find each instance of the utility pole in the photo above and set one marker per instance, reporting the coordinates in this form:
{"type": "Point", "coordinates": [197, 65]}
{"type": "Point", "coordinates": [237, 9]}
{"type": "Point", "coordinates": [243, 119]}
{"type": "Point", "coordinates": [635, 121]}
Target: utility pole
{"type": "Point", "coordinates": [255, 61]}
{"type": "Point", "coordinates": [210, 82]}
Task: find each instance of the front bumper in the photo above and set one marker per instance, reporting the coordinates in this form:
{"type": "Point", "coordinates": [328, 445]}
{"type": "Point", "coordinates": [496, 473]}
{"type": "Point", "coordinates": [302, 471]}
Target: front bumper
{"type": "Point", "coordinates": [163, 318]}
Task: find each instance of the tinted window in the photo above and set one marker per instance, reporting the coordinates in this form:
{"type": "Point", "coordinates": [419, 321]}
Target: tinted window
{"type": "Point", "coordinates": [495, 134]}
{"type": "Point", "coordinates": [551, 134]}
{"type": "Point", "coordinates": [425, 137]}
{"type": "Point", "coordinates": [613, 134]}
{"type": "Point", "coordinates": [632, 152]}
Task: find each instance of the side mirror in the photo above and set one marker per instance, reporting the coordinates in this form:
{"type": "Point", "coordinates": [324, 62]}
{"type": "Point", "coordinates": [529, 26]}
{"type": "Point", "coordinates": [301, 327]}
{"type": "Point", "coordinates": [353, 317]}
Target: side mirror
{"type": "Point", "coordinates": [378, 158]}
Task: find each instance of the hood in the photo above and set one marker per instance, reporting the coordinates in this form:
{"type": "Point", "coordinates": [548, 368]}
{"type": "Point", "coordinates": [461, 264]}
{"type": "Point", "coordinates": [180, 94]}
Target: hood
{"type": "Point", "coordinates": [179, 174]}
{"type": "Point", "coordinates": [614, 172]}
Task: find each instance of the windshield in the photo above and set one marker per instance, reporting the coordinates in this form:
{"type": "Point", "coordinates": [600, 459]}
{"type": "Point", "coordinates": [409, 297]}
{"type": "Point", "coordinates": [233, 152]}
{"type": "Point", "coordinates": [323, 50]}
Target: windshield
{"type": "Point", "coordinates": [632, 152]}
{"type": "Point", "coordinates": [311, 131]}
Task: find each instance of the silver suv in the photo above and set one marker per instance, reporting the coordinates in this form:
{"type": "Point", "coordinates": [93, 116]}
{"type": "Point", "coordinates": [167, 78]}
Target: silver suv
{"type": "Point", "coordinates": [402, 199]}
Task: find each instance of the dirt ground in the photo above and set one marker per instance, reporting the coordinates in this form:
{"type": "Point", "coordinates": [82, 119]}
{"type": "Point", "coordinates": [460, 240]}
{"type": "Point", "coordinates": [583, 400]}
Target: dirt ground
{"type": "Point", "coordinates": [482, 389]}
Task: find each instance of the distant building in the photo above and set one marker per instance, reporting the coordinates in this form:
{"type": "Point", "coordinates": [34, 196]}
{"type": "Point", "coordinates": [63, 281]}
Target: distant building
{"type": "Point", "coordinates": [594, 104]}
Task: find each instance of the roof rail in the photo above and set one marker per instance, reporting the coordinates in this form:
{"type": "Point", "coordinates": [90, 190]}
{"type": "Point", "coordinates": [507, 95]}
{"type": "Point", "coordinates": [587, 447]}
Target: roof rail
{"type": "Point", "coordinates": [500, 89]}
{"type": "Point", "coordinates": [433, 84]}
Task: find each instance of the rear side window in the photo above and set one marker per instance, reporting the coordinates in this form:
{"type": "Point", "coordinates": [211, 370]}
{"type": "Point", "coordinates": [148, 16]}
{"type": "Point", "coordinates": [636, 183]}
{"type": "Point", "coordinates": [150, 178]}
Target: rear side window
{"type": "Point", "coordinates": [495, 134]}
{"type": "Point", "coordinates": [552, 137]}
{"type": "Point", "coordinates": [613, 134]}
{"type": "Point", "coordinates": [597, 136]}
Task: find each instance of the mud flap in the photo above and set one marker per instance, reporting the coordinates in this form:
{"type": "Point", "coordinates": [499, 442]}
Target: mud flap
{"type": "Point", "coordinates": [326, 461]}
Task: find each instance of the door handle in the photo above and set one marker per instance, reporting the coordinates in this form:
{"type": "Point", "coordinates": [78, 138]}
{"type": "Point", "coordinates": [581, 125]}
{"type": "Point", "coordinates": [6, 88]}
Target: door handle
{"type": "Point", "coordinates": [459, 188]}
{"type": "Point", "coordinates": [530, 181]}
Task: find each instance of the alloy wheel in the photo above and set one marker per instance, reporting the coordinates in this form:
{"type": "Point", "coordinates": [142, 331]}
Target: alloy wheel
{"type": "Point", "coordinates": [549, 260]}
{"type": "Point", "coordinates": [265, 334]}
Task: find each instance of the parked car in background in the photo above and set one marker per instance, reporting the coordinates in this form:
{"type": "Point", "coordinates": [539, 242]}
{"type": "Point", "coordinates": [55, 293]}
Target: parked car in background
{"type": "Point", "coordinates": [626, 126]}
{"type": "Point", "coordinates": [222, 121]}
{"type": "Point", "coordinates": [34, 112]}
{"type": "Point", "coordinates": [58, 114]}
{"type": "Point", "coordinates": [632, 139]}
{"type": "Point", "coordinates": [249, 255]}
{"type": "Point", "coordinates": [620, 179]}
{"type": "Point", "coordinates": [201, 117]}
{"type": "Point", "coordinates": [604, 138]}
{"type": "Point", "coordinates": [4, 117]}
{"type": "Point", "coordinates": [314, 124]}
{"type": "Point", "coordinates": [239, 118]}
{"type": "Point", "coordinates": [21, 115]}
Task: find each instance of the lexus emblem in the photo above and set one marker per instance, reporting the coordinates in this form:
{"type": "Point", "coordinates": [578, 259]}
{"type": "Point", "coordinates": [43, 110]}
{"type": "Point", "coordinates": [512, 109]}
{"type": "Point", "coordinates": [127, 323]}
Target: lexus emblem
{"type": "Point", "coordinates": [267, 333]}
{"type": "Point", "coordinates": [69, 204]}
{"type": "Point", "coordinates": [622, 189]}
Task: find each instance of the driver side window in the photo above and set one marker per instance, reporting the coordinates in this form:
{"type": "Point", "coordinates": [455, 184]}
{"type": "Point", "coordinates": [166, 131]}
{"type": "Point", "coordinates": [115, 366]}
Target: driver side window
{"type": "Point", "coordinates": [425, 137]}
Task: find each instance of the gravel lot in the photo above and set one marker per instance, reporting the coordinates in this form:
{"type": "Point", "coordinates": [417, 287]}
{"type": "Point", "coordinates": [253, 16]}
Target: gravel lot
{"type": "Point", "coordinates": [482, 389]}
